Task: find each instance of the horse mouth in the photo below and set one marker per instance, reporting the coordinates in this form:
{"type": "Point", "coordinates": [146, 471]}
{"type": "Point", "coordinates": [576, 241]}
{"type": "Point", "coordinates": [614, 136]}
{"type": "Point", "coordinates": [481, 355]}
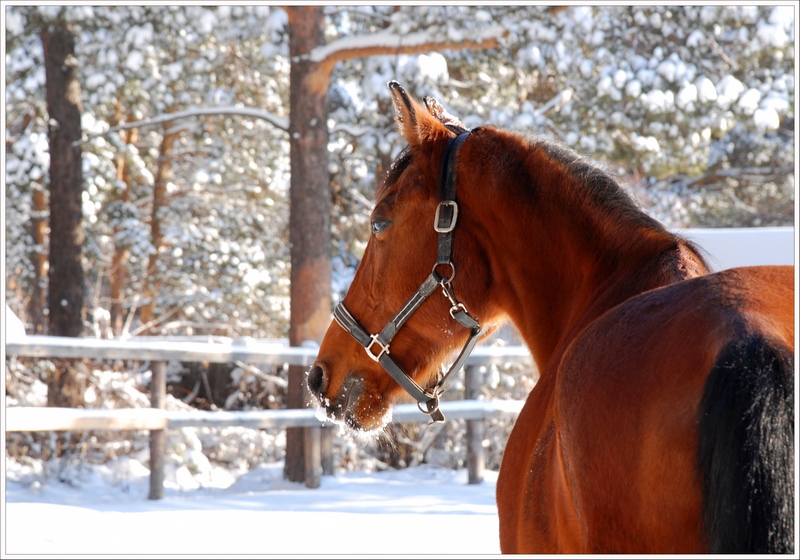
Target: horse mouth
{"type": "Point", "coordinates": [353, 410]}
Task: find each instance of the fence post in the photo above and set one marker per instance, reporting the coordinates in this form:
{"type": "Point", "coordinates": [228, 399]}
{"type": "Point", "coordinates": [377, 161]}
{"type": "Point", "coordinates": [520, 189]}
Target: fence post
{"type": "Point", "coordinates": [326, 449]}
{"type": "Point", "coordinates": [158, 438]}
{"type": "Point", "coordinates": [476, 458]}
{"type": "Point", "coordinates": [311, 442]}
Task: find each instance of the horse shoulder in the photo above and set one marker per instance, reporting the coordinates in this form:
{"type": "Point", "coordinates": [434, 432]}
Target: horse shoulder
{"type": "Point", "coordinates": [534, 504]}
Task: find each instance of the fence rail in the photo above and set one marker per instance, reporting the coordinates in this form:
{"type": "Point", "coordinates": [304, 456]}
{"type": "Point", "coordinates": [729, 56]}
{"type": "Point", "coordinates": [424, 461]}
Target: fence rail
{"type": "Point", "coordinates": [245, 350]}
{"type": "Point", "coordinates": [39, 419]}
{"type": "Point", "coordinates": [157, 419]}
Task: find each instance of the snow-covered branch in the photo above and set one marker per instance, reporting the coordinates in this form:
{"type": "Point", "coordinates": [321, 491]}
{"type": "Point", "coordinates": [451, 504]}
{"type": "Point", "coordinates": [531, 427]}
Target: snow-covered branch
{"type": "Point", "coordinates": [559, 99]}
{"type": "Point", "coordinates": [277, 121]}
{"type": "Point", "coordinates": [355, 131]}
{"type": "Point", "coordinates": [388, 43]}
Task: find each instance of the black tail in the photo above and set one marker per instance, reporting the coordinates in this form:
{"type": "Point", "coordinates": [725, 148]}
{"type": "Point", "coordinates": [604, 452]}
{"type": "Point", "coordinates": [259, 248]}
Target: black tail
{"type": "Point", "coordinates": [746, 449]}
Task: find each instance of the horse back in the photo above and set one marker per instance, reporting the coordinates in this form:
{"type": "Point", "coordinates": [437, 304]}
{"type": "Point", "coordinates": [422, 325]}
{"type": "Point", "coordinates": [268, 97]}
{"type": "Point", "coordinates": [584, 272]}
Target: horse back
{"type": "Point", "coordinates": [630, 403]}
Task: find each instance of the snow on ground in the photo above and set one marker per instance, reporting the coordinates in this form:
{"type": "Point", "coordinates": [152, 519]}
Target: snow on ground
{"type": "Point", "coordinates": [420, 510]}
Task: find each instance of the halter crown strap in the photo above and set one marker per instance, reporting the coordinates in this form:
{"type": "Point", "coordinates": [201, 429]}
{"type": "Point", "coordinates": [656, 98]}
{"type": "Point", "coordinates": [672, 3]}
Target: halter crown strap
{"type": "Point", "coordinates": [444, 223]}
{"type": "Point", "coordinates": [447, 211]}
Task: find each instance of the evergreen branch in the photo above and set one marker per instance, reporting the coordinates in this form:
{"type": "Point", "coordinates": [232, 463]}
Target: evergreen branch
{"type": "Point", "coordinates": [385, 43]}
{"type": "Point", "coordinates": [279, 122]}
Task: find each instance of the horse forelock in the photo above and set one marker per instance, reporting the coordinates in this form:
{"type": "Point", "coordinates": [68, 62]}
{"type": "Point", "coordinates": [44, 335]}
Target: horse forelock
{"type": "Point", "coordinates": [393, 174]}
{"type": "Point", "coordinates": [402, 162]}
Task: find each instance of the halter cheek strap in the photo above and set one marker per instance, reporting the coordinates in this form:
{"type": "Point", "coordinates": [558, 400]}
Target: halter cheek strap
{"type": "Point", "coordinates": [377, 345]}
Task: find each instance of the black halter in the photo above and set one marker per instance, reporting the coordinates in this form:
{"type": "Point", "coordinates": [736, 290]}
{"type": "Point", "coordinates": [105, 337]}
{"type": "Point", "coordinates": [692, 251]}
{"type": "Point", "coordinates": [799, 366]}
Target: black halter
{"type": "Point", "coordinates": [444, 223]}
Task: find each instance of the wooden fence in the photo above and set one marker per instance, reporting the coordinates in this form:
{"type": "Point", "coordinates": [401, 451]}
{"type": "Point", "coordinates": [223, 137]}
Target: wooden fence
{"type": "Point", "coordinates": [157, 419]}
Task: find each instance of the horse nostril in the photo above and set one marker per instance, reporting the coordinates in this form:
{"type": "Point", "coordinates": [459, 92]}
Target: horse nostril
{"type": "Point", "coordinates": [315, 379]}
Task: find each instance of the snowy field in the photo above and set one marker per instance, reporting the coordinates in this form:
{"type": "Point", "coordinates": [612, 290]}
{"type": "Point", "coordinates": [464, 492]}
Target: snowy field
{"type": "Point", "coordinates": [422, 510]}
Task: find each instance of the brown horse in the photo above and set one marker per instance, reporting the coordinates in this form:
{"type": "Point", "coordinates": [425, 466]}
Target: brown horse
{"type": "Point", "coordinates": [663, 418]}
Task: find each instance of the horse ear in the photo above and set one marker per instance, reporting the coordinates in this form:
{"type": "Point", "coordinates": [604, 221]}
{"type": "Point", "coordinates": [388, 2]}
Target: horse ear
{"type": "Point", "coordinates": [414, 123]}
{"type": "Point", "coordinates": [436, 110]}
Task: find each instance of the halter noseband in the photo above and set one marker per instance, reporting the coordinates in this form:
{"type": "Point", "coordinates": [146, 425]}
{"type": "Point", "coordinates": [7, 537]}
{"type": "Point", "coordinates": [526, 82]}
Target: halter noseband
{"type": "Point", "coordinates": [444, 223]}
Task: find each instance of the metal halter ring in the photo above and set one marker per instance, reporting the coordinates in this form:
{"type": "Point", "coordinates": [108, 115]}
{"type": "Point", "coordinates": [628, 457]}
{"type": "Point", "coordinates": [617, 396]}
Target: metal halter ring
{"type": "Point", "coordinates": [442, 280]}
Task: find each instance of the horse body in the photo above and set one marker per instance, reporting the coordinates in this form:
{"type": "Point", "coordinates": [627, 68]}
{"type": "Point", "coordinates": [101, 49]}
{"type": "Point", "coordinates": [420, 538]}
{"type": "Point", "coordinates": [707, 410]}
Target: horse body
{"type": "Point", "coordinates": [625, 327]}
{"type": "Point", "coordinates": [616, 453]}
{"type": "Point", "coordinates": [622, 446]}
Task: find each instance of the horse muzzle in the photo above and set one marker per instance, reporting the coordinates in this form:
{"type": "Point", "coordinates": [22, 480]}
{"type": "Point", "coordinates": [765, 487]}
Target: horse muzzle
{"type": "Point", "coordinates": [346, 406]}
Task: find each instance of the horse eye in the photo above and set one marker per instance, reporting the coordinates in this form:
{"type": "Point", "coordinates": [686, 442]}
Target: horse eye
{"type": "Point", "coordinates": [379, 225]}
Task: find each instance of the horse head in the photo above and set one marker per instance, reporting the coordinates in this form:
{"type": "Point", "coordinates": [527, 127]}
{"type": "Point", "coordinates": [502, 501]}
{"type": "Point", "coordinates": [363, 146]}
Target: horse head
{"type": "Point", "coordinates": [421, 279]}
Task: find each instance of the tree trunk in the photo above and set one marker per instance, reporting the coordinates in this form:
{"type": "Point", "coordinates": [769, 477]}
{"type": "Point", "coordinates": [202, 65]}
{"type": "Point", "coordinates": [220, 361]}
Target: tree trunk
{"type": "Point", "coordinates": [119, 261]}
{"type": "Point", "coordinates": [38, 301]}
{"type": "Point", "coordinates": [310, 211]}
{"type": "Point", "coordinates": [119, 274]}
{"type": "Point", "coordinates": [163, 174]}
{"type": "Point", "coordinates": [65, 298]}
{"type": "Point", "coordinates": [66, 289]}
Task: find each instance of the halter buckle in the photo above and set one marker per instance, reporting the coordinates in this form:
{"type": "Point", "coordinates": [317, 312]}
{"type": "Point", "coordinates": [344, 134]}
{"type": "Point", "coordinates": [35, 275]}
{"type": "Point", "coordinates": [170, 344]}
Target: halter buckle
{"type": "Point", "coordinates": [384, 349]}
{"type": "Point", "coordinates": [450, 225]}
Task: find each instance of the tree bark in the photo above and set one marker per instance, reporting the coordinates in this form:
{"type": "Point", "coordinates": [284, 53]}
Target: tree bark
{"type": "Point", "coordinates": [65, 298]}
{"type": "Point", "coordinates": [66, 289]}
{"type": "Point", "coordinates": [310, 211]}
{"type": "Point", "coordinates": [38, 301]}
{"type": "Point", "coordinates": [119, 260]}
{"type": "Point", "coordinates": [153, 280]}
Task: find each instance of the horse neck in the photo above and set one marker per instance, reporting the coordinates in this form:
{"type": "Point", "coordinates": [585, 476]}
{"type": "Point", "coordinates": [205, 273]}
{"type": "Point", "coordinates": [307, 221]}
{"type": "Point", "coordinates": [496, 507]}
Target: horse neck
{"type": "Point", "coordinates": [560, 258]}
